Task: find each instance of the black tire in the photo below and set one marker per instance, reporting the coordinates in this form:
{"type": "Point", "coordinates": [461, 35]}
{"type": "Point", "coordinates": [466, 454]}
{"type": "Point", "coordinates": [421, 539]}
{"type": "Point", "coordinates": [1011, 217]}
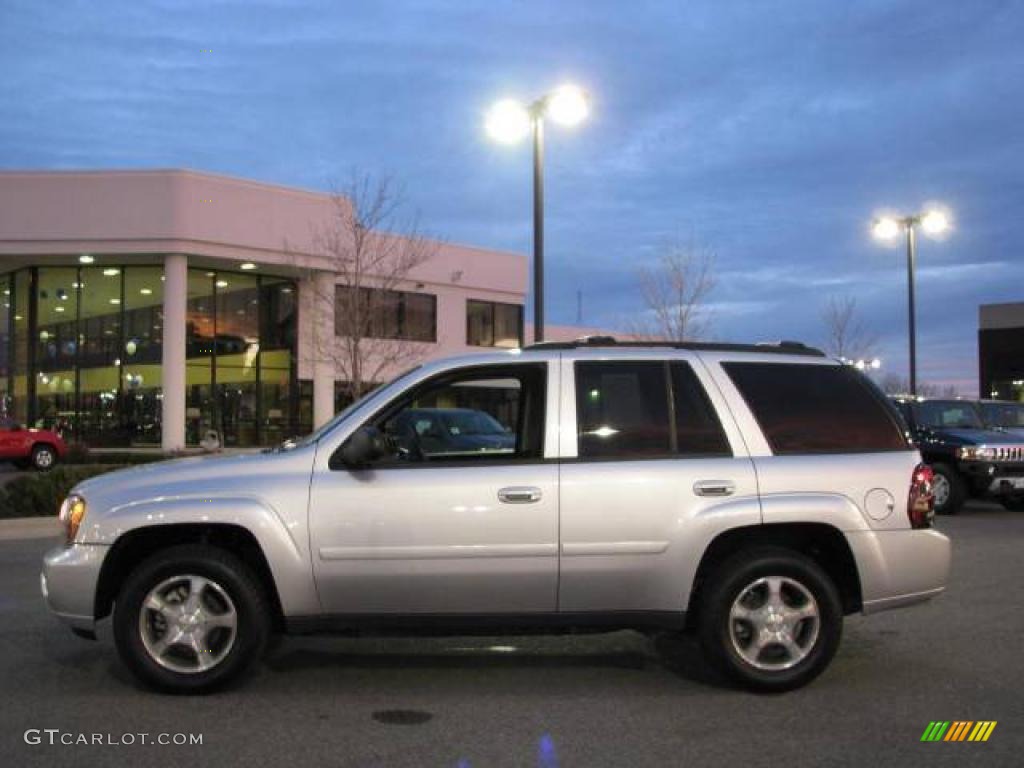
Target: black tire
{"type": "Point", "coordinates": [43, 458]}
{"type": "Point", "coordinates": [957, 490]}
{"type": "Point", "coordinates": [731, 579]}
{"type": "Point", "coordinates": [251, 606]}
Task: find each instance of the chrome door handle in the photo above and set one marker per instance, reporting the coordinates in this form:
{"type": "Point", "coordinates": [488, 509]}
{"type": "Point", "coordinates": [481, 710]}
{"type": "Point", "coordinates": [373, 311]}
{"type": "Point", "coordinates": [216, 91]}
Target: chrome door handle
{"type": "Point", "coordinates": [714, 488]}
{"type": "Point", "coordinates": [519, 495]}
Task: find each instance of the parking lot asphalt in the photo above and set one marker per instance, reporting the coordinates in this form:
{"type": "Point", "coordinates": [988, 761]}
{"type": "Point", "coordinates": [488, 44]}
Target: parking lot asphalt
{"type": "Point", "coordinates": [619, 699]}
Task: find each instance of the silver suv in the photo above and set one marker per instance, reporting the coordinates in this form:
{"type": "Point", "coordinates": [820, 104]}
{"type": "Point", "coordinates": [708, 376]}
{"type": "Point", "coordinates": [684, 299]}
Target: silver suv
{"type": "Point", "coordinates": [751, 494]}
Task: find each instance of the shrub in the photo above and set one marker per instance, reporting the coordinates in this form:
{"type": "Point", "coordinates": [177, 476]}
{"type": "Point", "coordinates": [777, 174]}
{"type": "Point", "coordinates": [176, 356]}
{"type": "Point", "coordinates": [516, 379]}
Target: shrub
{"type": "Point", "coordinates": [40, 495]}
{"type": "Point", "coordinates": [78, 453]}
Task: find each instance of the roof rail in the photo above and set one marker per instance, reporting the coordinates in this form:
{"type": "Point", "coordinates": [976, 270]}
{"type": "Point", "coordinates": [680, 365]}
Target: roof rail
{"type": "Point", "coordinates": [777, 347]}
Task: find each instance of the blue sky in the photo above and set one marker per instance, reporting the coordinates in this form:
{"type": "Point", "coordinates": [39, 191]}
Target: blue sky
{"type": "Point", "coordinates": [770, 133]}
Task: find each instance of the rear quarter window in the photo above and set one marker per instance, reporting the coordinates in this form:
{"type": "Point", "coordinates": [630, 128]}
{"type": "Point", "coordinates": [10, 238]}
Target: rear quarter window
{"type": "Point", "coordinates": [808, 409]}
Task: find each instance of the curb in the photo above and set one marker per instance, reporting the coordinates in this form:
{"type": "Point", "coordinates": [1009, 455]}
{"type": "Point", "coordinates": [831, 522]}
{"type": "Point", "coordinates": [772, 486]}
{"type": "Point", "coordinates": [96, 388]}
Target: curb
{"type": "Point", "coordinates": [29, 528]}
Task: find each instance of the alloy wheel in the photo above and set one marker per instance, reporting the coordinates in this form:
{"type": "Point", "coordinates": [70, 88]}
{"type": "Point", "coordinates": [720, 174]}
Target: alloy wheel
{"type": "Point", "coordinates": [940, 490]}
{"type": "Point", "coordinates": [774, 623]}
{"type": "Point", "coordinates": [188, 624]}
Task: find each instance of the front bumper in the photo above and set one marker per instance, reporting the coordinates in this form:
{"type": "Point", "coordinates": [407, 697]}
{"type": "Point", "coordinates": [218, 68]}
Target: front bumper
{"type": "Point", "coordinates": [68, 582]}
{"type": "Point", "coordinates": [901, 567]}
{"type": "Point", "coordinates": [997, 478]}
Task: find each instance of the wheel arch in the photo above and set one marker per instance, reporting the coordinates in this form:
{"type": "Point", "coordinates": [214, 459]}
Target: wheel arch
{"type": "Point", "coordinates": [823, 543]}
{"type": "Point", "coordinates": [133, 547]}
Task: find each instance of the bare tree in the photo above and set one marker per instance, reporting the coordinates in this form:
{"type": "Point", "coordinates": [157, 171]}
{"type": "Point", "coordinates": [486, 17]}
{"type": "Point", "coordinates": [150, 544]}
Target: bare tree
{"type": "Point", "coordinates": [847, 335]}
{"type": "Point", "coordinates": [675, 293]}
{"type": "Point", "coordinates": [372, 249]}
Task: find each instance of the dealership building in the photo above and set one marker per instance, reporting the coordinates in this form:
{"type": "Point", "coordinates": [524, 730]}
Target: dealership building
{"type": "Point", "coordinates": [152, 307]}
{"type": "Point", "coordinates": [1001, 351]}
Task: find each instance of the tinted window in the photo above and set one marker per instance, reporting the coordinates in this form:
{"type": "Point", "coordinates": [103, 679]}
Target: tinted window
{"type": "Point", "coordinates": [698, 430]}
{"type": "Point", "coordinates": [484, 413]}
{"type": "Point", "coordinates": [816, 408]}
{"type": "Point", "coordinates": [622, 409]}
{"type": "Point", "coordinates": [1010, 415]}
{"type": "Point", "coordinates": [947, 414]}
{"type": "Point", "coordinates": [644, 409]}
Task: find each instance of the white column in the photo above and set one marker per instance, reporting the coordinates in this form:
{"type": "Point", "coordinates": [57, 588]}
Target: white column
{"type": "Point", "coordinates": [173, 407]}
{"type": "Point", "coordinates": [323, 346]}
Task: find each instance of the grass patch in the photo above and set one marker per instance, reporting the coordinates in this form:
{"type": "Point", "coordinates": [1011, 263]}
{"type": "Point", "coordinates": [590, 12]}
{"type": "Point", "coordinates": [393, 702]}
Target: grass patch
{"type": "Point", "coordinates": [40, 494]}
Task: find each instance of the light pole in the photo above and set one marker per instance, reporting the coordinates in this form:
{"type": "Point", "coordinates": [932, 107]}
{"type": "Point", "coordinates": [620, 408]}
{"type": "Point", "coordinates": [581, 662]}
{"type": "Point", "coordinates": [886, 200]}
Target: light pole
{"type": "Point", "coordinates": [933, 223]}
{"type": "Point", "coordinates": [508, 122]}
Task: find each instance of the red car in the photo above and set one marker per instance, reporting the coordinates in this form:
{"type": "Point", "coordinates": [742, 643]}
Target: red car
{"type": "Point", "coordinates": [39, 448]}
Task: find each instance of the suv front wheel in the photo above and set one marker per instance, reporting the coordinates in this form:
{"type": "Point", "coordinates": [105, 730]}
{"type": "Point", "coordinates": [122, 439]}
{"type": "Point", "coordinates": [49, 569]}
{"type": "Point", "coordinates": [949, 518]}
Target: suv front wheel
{"type": "Point", "coordinates": [949, 488]}
{"type": "Point", "coordinates": [190, 619]}
{"type": "Point", "coordinates": [770, 618]}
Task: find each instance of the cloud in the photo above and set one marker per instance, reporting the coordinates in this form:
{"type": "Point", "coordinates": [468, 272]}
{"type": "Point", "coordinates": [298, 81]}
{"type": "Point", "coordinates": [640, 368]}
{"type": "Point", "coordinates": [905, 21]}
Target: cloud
{"type": "Point", "coordinates": [773, 134]}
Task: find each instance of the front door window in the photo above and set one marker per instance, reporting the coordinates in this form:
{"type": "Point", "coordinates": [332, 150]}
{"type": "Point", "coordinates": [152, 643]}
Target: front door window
{"type": "Point", "coordinates": [487, 414]}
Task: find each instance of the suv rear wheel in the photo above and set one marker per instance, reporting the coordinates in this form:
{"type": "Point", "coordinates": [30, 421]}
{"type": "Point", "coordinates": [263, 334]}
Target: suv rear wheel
{"type": "Point", "coordinates": [770, 618]}
{"type": "Point", "coordinates": [949, 489]}
{"type": "Point", "coordinates": [190, 619]}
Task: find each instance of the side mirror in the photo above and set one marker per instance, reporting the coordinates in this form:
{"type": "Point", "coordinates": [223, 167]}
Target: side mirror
{"type": "Point", "coordinates": [364, 446]}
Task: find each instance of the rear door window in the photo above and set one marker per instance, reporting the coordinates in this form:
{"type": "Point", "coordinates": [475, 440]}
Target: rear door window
{"type": "Point", "coordinates": [808, 409]}
{"type": "Point", "coordinates": [644, 409]}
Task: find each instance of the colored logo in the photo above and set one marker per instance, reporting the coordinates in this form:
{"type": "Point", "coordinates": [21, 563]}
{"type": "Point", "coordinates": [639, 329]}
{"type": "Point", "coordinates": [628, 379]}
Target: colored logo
{"type": "Point", "coordinates": [958, 730]}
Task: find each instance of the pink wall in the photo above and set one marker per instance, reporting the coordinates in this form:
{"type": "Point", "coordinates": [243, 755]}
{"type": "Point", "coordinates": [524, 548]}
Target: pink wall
{"type": "Point", "coordinates": [47, 213]}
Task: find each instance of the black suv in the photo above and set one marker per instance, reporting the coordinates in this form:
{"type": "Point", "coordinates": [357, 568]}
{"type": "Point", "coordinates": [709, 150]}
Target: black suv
{"type": "Point", "coordinates": [969, 458]}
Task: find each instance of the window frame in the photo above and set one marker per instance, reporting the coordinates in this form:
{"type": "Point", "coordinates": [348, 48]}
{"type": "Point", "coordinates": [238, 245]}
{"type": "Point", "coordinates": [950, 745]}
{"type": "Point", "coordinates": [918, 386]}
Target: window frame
{"type": "Point", "coordinates": [672, 454]}
{"type": "Point", "coordinates": [492, 309]}
{"type": "Point", "coordinates": [483, 371]}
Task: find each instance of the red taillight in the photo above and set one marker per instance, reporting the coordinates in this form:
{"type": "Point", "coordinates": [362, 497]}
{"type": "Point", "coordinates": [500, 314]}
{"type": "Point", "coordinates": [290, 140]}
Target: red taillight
{"type": "Point", "coordinates": [921, 504]}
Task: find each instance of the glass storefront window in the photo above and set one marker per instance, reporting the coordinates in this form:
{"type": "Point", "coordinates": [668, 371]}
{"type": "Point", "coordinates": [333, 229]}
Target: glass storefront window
{"type": "Point", "coordinates": [99, 373]}
{"type": "Point", "coordinates": [5, 345]}
{"type": "Point", "coordinates": [236, 302]}
{"type": "Point", "coordinates": [56, 347]}
{"type": "Point", "coordinates": [21, 374]}
{"type": "Point", "coordinates": [142, 354]}
{"type": "Point", "coordinates": [81, 350]}
{"type": "Point", "coordinates": [200, 334]}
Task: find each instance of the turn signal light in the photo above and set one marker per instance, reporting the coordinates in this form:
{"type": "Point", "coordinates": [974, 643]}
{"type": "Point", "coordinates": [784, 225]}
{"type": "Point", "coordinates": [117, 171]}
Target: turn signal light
{"type": "Point", "coordinates": [72, 512]}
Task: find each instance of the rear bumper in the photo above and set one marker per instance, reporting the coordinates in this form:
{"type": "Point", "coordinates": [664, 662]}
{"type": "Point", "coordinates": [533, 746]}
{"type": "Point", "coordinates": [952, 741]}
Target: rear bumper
{"type": "Point", "coordinates": [899, 568]}
{"type": "Point", "coordinates": [68, 582]}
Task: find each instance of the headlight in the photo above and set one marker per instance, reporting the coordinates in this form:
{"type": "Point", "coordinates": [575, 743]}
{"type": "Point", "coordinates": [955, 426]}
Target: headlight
{"type": "Point", "coordinates": [72, 512]}
{"type": "Point", "coordinates": [977, 453]}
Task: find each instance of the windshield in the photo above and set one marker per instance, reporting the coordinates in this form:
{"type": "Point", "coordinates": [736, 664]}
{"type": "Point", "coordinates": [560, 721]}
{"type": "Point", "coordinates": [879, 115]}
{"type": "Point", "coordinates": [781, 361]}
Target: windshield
{"type": "Point", "coordinates": [316, 434]}
{"type": "Point", "coordinates": [947, 414]}
{"type": "Point", "coordinates": [1007, 415]}
{"type": "Point", "coordinates": [472, 423]}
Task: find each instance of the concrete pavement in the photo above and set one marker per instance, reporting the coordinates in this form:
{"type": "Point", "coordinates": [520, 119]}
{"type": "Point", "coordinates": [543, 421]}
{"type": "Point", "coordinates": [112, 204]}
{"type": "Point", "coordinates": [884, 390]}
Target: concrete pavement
{"type": "Point", "coordinates": [616, 700]}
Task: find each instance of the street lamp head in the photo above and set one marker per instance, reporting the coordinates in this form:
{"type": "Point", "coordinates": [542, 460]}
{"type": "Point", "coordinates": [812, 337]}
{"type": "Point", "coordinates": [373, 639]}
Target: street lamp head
{"type": "Point", "coordinates": [886, 228]}
{"type": "Point", "coordinates": [508, 121]}
{"type": "Point", "coordinates": [568, 105]}
{"type": "Point", "coordinates": [935, 222]}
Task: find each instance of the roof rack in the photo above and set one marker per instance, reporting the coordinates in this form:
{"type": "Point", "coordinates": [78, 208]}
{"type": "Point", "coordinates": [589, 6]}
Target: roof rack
{"type": "Point", "coordinates": [777, 347]}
